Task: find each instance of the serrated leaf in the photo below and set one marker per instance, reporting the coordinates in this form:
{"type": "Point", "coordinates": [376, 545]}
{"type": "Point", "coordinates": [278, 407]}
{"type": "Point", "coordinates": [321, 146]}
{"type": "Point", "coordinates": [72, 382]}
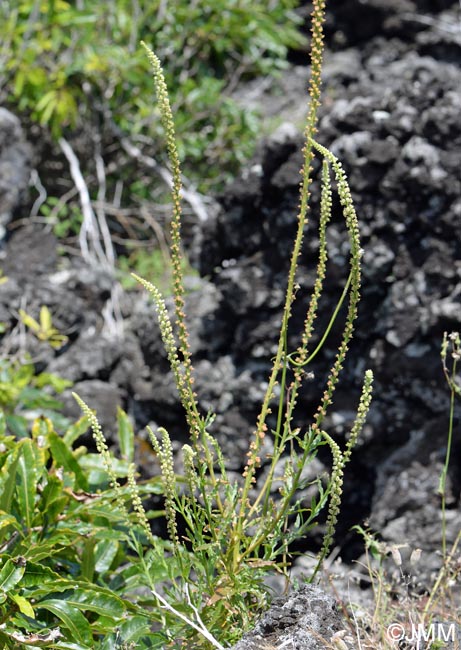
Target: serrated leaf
{"type": "Point", "coordinates": [24, 605]}
{"type": "Point", "coordinates": [38, 575]}
{"type": "Point", "coordinates": [46, 550]}
{"type": "Point", "coordinates": [11, 573]}
{"type": "Point", "coordinates": [95, 600]}
{"type": "Point", "coordinates": [83, 596]}
{"type": "Point", "coordinates": [71, 618]}
{"type": "Point", "coordinates": [133, 629]}
{"type": "Point", "coordinates": [53, 490]}
{"type": "Point", "coordinates": [53, 590]}
{"type": "Point", "coordinates": [96, 463]}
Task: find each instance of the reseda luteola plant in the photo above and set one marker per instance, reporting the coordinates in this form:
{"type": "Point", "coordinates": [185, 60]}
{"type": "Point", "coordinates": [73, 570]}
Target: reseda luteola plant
{"type": "Point", "coordinates": [236, 533]}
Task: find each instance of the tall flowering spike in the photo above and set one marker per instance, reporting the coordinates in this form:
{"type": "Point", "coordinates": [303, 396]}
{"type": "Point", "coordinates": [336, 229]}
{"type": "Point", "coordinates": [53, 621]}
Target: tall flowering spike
{"type": "Point", "coordinates": [166, 331]}
{"type": "Point", "coordinates": [103, 451]}
{"type": "Point", "coordinates": [316, 51]}
{"type": "Point", "coordinates": [353, 284]}
{"type": "Point", "coordinates": [137, 503]}
{"type": "Point", "coordinates": [325, 215]}
{"type": "Point", "coordinates": [166, 116]}
{"type": "Point", "coordinates": [190, 470]}
{"type": "Point", "coordinates": [334, 507]}
{"type": "Point", "coordinates": [317, 46]}
{"type": "Point", "coordinates": [164, 451]}
{"type": "Point", "coordinates": [184, 387]}
{"type": "Point", "coordinates": [362, 412]}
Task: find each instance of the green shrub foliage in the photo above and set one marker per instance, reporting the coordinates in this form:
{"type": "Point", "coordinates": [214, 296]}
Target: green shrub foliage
{"type": "Point", "coordinates": [65, 537]}
{"type": "Point", "coordinates": [67, 64]}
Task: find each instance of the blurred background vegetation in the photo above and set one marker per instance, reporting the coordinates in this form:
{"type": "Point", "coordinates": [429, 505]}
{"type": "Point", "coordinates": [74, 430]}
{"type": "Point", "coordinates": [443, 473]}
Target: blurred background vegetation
{"type": "Point", "coordinates": [75, 70]}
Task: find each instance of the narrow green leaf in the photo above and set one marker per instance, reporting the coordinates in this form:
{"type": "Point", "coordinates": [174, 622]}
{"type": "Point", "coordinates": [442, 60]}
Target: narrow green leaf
{"type": "Point", "coordinates": [71, 618]}
{"type": "Point", "coordinates": [105, 555]}
{"type": "Point", "coordinates": [19, 82]}
{"type": "Point", "coordinates": [28, 321]}
{"type": "Point", "coordinates": [48, 379]}
{"type": "Point", "coordinates": [36, 399]}
{"type": "Point", "coordinates": [23, 375]}
{"type": "Point", "coordinates": [26, 481]}
{"type": "Point", "coordinates": [48, 109]}
{"type": "Point", "coordinates": [8, 481]}
{"type": "Point", "coordinates": [63, 457]}
{"type": "Point", "coordinates": [52, 492]}
{"type": "Point", "coordinates": [45, 315]}
{"type": "Point", "coordinates": [88, 559]}
{"type": "Point", "coordinates": [17, 425]}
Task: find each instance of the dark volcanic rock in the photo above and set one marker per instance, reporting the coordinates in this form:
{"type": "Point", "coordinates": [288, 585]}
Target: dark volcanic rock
{"type": "Point", "coordinates": [75, 295]}
{"type": "Point", "coordinates": [15, 166]}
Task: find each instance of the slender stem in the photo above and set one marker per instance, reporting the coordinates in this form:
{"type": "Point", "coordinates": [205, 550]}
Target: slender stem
{"type": "Point", "coordinates": [318, 16]}
{"type": "Point", "coordinates": [443, 478]}
{"type": "Point", "coordinates": [328, 329]}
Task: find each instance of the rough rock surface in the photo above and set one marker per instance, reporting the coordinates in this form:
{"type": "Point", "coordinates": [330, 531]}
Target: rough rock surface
{"type": "Point", "coordinates": [306, 619]}
{"type": "Point", "coordinates": [15, 166]}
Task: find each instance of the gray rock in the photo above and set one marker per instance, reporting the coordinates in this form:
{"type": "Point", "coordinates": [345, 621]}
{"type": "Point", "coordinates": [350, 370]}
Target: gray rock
{"type": "Point", "coordinates": [100, 397]}
{"type": "Point", "coordinates": [306, 619]}
{"type": "Point", "coordinates": [15, 166]}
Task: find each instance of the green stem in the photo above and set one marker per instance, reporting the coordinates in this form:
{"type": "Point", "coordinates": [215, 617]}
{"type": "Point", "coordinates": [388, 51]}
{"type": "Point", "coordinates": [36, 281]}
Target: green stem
{"type": "Point", "coordinates": [443, 476]}
{"type": "Point", "coordinates": [328, 329]}
{"type": "Point", "coordinates": [317, 46]}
